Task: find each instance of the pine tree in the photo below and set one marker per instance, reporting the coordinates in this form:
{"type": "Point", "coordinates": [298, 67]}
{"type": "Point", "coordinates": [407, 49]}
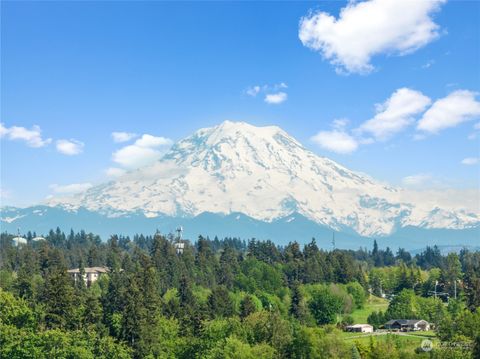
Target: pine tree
{"type": "Point", "coordinates": [219, 303]}
{"type": "Point", "coordinates": [247, 306]}
{"type": "Point", "coordinates": [228, 267]}
{"type": "Point", "coordinates": [297, 305]}
{"type": "Point", "coordinates": [57, 293]}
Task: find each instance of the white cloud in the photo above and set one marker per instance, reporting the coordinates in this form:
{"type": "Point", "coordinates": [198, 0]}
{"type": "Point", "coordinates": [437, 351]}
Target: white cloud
{"type": "Point", "coordinates": [253, 91]}
{"type": "Point", "coordinates": [153, 141]}
{"type": "Point", "coordinates": [469, 161]}
{"type": "Point", "coordinates": [123, 136]}
{"type": "Point", "coordinates": [458, 107]}
{"type": "Point", "coordinates": [340, 123]}
{"type": "Point", "coordinates": [144, 151]}
{"type": "Point", "coordinates": [336, 141]}
{"type": "Point", "coordinates": [417, 180]}
{"type": "Point", "coordinates": [115, 172]}
{"type": "Point", "coordinates": [368, 28]}
{"type": "Point", "coordinates": [70, 188]}
{"type": "Point", "coordinates": [3, 130]}
{"type": "Point", "coordinates": [274, 94]}
{"type": "Point", "coordinates": [395, 114]}
{"type": "Point", "coordinates": [70, 147]}
{"type": "Point", "coordinates": [32, 137]}
{"type": "Point", "coordinates": [276, 98]}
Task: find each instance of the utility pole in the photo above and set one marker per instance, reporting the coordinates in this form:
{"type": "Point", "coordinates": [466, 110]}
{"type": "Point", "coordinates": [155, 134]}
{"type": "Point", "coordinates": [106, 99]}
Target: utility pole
{"type": "Point", "coordinates": [435, 292]}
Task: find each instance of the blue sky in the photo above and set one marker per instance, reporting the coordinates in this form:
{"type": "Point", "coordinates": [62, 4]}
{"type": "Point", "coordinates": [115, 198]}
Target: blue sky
{"type": "Point", "coordinates": [80, 71]}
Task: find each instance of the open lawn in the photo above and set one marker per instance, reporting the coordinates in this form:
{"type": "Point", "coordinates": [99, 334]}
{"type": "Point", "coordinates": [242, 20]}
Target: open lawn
{"type": "Point", "coordinates": [373, 304]}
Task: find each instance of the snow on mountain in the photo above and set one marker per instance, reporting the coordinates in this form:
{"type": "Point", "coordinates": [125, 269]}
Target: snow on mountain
{"type": "Point", "coordinates": [265, 174]}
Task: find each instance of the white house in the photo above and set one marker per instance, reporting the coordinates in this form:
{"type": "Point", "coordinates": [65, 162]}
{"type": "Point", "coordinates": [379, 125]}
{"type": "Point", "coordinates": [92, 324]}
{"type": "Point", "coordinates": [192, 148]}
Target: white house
{"type": "Point", "coordinates": [360, 328]}
{"type": "Point", "coordinates": [91, 274]}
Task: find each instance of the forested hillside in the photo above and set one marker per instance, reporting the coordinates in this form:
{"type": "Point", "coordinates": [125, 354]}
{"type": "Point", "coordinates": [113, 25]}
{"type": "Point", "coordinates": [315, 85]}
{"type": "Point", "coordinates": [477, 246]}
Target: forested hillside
{"type": "Point", "coordinates": [230, 299]}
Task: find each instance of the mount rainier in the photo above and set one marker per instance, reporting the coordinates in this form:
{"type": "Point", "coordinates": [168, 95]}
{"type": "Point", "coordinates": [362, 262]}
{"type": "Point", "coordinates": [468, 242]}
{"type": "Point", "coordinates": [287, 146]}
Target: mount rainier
{"type": "Point", "coordinates": [262, 177]}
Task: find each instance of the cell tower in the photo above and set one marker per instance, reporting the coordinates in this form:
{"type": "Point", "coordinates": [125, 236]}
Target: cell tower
{"type": "Point", "coordinates": [179, 243]}
{"type": "Point", "coordinates": [179, 231]}
{"type": "Point", "coordinates": [333, 240]}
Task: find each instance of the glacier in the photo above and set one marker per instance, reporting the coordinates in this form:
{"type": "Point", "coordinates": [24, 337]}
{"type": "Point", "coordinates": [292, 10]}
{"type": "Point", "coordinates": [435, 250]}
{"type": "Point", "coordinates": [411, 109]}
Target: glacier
{"type": "Point", "coordinates": [267, 175]}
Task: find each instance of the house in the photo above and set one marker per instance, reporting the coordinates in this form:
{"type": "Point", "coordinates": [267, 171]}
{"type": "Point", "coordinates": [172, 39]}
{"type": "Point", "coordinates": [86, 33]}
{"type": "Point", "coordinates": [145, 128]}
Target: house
{"type": "Point", "coordinates": [360, 328]}
{"type": "Point", "coordinates": [91, 274]}
{"type": "Point", "coordinates": [406, 325]}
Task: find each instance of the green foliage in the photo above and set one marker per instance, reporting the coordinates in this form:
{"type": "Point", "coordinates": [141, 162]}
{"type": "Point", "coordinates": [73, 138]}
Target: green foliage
{"type": "Point", "coordinates": [224, 299]}
{"type": "Point", "coordinates": [325, 306]}
{"type": "Point", "coordinates": [402, 306]}
{"type": "Point", "coordinates": [248, 306]}
{"type": "Point", "coordinates": [358, 293]}
{"type": "Point", "coordinates": [15, 311]}
{"type": "Point", "coordinates": [376, 319]}
{"type": "Point", "coordinates": [22, 344]}
{"type": "Point", "coordinates": [318, 343]}
{"type": "Point", "coordinates": [256, 275]}
{"type": "Point", "coordinates": [220, 303]}
{"type": "Point", "coordinates": [233, 348]}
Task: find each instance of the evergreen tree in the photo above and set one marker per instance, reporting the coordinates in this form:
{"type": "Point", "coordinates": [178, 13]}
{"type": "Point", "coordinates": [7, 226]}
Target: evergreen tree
{"type": "Point", "coordinates": [247, 306]}
{"type": "Point", "coordinates": [297, 305]}
{"type": "Point", "coordinates": [57, 293]}
{"type": "Point", "coordinates": [219, 302]}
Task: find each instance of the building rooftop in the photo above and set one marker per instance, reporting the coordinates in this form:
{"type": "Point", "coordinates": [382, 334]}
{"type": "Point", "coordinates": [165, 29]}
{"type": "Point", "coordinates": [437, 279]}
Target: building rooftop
{"type": "Point", "coordinates": [405, 321]}
{"type": "Point", "coordinates": [90, 270]}
{"type": "Point", "coordinates": [358, 326]}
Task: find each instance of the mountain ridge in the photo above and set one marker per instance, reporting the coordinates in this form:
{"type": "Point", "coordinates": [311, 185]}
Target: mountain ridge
{"type": "Point", "coordinates": [294, 227]}
{"type": "Point", "coordinates": [266, 174]}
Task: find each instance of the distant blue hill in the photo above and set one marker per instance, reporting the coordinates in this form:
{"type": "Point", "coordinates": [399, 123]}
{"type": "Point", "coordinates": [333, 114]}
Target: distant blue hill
{"type": "Point", "coordinates": [294, 227]}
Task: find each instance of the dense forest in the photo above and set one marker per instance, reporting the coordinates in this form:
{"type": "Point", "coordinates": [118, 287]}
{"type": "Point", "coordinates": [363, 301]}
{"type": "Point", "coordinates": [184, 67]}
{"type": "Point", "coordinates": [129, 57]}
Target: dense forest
{"type": "Point", "coordinates": [230, 298]}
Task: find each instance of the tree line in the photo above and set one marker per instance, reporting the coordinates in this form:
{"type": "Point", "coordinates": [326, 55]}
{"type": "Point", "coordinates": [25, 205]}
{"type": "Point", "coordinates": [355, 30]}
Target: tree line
{"type": "Point", "coordinates": [224, 298]}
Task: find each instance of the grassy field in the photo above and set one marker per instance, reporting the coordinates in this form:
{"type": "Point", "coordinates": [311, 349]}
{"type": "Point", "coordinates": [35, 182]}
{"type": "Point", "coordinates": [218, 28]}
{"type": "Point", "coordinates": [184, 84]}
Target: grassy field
{"type": "Point", "coordinates": [410, 341]}
{"type": "Point", "coordinates": [373, 304]}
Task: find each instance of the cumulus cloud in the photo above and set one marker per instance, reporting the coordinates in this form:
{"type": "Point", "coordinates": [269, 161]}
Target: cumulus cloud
{"type": "Point", "coordinates": [458, 107]}
{"type": "Point", "coordinates": [336, 140]}
{"type": "Point", "coordinates": [70, 188]}
{"type": "Point", "coordinates": [396, 114]}
{"type": "Point", "coordinates": [70, 147]}
{"type": "Point", "coordinates": [119, 137]}
{"type": "Point", "coordinates": [276, 98]}
{"type": "Point", "coordinates": [469, 161]}
{"type": "Point", "coordinates": [369, 28]}
{"type": "Point", "coordinates": [32, 137]}
{"type": "Point", "coordinates": [144, 151]}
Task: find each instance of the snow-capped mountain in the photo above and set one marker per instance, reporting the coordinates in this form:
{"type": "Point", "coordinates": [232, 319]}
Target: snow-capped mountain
{"type": "Point", "coordinates": [267, 175]}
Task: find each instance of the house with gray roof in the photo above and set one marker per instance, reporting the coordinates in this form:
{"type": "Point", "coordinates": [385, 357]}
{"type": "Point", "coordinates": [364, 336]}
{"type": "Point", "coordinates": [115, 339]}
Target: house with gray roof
{"type": "Point", "coordinates": [407, 325]}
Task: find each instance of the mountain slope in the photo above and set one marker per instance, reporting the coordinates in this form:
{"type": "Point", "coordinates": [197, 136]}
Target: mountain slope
{"type": "Point", "coordinates": [265, 174]}
{"type": "Point", "coordinates": [282, 230]}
